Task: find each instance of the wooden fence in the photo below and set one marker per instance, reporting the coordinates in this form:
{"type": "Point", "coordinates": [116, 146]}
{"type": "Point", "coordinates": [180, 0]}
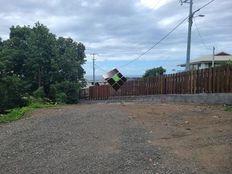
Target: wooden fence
{"type": "Point", "coordinates": [212, 80]}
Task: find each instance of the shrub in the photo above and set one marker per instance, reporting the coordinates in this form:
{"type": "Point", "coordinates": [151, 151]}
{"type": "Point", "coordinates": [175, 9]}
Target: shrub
{"type": "Point", "coordinates": [11, 93]}
{"type": "Point", "coordinates": [70, 89]}
{"type": "Point", "coordinates": [61, 97]}
{"type": "Point", "coordinates": [39, 93]}
{"type": "Point", "coordinates": [154, 72]}
{"type": "Point", "coordinates": [52, 94]}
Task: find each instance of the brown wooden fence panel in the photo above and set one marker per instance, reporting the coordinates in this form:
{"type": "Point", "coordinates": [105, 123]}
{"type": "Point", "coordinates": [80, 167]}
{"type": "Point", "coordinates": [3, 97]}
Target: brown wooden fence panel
{"type": "Point", "coordinates": [99, 92]}
{"type": "Point", "coordinates": [230, 81]}
{"type": "Point", "coordinates": [212, 80]}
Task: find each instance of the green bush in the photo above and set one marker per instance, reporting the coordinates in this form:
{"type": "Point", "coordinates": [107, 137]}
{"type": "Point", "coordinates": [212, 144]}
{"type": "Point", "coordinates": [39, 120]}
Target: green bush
{"type": "Point", "coordinates": [228, 108]}
{"type": "Point", "coordinates": [11, 93]}
{"type": "Point", "coordinates": [64, 92]}
{"type": "Point", "coordinates": [18, 113]}
{"type": "Point", "coordinates": [53, 92]}
{"type": "Point", "coordinates": [61, 97]}
{"type": "Point", "coordinates": [70, 89]}
{"type": "Point", "coordinates": [39, 93]}
{"type": "Point", "coordinates": [154, 72]}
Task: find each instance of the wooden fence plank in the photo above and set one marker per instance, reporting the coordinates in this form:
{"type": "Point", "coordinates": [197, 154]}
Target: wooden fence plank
{"type": "Point", "coordinates": [212, 80]}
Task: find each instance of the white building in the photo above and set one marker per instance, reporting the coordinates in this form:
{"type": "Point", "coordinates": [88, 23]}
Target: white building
{"type": "Point", "coordinates": [206, 61]}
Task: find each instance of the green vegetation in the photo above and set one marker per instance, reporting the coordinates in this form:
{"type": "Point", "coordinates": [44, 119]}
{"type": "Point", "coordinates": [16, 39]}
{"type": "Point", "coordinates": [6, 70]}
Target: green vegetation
{"type": "Point", "coordinates": [34, 62]}
{"type": "Point", "coordinates": [228, 108]}
{"type": "Point", "coordinates": [17, 113]}
{"type": "Point", "coordinates": [154, 72]}
{"type": "Point", "coordinates": [229, 62]}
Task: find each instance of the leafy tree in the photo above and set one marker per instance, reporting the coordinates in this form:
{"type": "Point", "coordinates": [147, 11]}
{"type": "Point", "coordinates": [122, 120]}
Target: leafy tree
{"type": "Point", "coordinates": [41, 52]}
{"type": "Point", "coordinates": [14, 51]}
{"type": "Point", "coordinates": [41, 62]}
{"type": "Point", "coordinates": [68, 63]}
{"type": "Point", "coordinates": [154, 72]}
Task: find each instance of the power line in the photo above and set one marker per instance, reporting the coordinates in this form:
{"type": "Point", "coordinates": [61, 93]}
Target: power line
{"type": "Point", "coordinates": [163, 38]}
{"type": "Point", "coordinates": [95, 66]}
{"type": "Point", "coordinates": [204, 5]}
{"type": "Point", "coordinates": [157, 43]}
{"type": "Point", "coordinates": [200, 36]}
{"type": "Point", "coordinates": [98, 67]}
{"type": "Point", "coordinates": [157, 3]}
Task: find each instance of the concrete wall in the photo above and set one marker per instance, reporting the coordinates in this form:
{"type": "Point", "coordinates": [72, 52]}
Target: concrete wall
{"type": "Point", "coordinates": [215, 98]}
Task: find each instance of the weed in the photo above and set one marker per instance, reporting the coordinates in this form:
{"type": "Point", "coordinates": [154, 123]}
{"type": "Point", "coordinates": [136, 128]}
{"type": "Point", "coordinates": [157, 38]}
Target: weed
{"type": "Point", "coordinates": [18, 113]}
{"type": "Point", "coordinates": [228, 108]}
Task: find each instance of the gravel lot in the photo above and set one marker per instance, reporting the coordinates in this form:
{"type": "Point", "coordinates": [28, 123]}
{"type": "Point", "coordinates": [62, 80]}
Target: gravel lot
{"type": "Point", "coordinates": [118, 138]}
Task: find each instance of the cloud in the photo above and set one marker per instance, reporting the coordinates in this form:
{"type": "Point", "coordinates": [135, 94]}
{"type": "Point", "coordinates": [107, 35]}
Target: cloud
{"type": "Point", "coordinates": [154, 4]}
{"type": "Point", "coordinates": [121, 30]}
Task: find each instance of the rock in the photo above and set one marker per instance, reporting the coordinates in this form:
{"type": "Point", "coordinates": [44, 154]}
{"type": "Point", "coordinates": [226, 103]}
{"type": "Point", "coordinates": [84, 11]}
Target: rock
{"type": "Point", "coordinates": [155, 163]}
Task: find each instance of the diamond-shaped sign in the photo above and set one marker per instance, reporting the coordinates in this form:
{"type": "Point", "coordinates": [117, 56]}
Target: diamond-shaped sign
{"type": "Point", "coordinates": [115, 79]}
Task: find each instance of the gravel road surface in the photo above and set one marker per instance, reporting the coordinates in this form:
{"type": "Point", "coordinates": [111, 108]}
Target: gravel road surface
{"type": "Point", "coordinates": [95, 138]}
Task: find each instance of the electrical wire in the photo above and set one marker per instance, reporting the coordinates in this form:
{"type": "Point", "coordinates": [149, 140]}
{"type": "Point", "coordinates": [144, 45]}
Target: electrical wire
{"type": "Point", "coordinates": [157, 3]}
{"type": "Point", "coordinates": [163, 38]}
{"type": "Point", "coordinates": [204, 5]}
{"type": "Point", "coordinates": [98, 67]}
{"type": "Point", "coordinates": [157, 43]}
{"type": "Point", "coordinates": [200, 36]}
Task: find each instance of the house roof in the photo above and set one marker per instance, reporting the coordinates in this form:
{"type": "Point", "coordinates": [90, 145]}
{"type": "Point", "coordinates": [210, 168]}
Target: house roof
{"type": "Point", "coordinates": [219, 57]}
{"type": "Point", "coordinates": [222, 54]}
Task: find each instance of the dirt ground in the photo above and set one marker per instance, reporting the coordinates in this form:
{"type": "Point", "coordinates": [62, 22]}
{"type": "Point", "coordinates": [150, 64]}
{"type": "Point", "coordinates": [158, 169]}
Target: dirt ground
{"type": "Point", "coordinates": [119, 138]}
{"type": "Point", "coordinates": [199, 133]}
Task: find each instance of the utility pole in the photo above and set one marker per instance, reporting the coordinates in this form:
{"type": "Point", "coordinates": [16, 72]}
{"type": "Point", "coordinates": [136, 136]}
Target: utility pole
{"type": "Point", "coordinates": [190, 22]}
{"type": "Point", "coordinates": [94, 69]}
{"type": "Point", "coordinates": [189, 35]}
{"type": "Point", "coordinates": [213, 56]}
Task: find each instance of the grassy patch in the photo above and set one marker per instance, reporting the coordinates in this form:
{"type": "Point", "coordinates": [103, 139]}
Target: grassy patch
{"type": "Point", "coordinates": [228, 108]}
{"type": "Point", "coordinates": [18, 113]}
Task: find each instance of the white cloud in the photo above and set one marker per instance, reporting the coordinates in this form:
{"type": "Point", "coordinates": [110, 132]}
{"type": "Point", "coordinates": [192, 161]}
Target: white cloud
{"type": "Point", "coordinates": [169, 20]}
{"type": "Point", "coordinates": [123, 29]}
{"type": "Point", "coordinates": [154, 4]}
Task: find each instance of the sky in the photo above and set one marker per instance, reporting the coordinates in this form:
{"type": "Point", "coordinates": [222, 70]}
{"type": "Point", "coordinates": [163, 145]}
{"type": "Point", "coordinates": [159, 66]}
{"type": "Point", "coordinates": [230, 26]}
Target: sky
{"type": "Point", "coordinates": [117, 31]}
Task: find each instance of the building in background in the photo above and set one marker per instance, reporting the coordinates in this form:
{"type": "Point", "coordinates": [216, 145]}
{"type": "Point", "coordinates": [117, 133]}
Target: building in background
{"type": "Point", "coordinates": [207, 60]}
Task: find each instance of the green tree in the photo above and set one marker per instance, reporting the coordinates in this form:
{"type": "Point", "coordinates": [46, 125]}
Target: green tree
{"type": "Point", "coordinates": [41, 53]}
{"type": "Point", "coordinates": [14, 51]}
{"type": "Point", "coordinates": [71, 55]}
{"type": "Point", "coordinates": [154, 72]}
{"type": "Point", "coordinates": [41, 62]}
